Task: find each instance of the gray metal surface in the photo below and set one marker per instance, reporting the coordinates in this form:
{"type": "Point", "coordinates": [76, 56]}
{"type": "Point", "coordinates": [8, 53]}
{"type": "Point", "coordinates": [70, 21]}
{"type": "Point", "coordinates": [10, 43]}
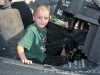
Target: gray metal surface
{"type": "Point", "coordinates": [15, 67]}
{"type": "Point", "coordinates": [94, 54]}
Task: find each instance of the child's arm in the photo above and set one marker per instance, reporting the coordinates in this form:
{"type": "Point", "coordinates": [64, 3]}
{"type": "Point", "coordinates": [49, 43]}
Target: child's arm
{"type": "Point", "coordinates": [21, 54]}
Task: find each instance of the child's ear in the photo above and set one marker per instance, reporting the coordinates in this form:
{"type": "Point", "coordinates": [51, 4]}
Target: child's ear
{"type": "Point", "coordinates": [48, 7]}
{"type": "Point", "coordinates": [33, 18]}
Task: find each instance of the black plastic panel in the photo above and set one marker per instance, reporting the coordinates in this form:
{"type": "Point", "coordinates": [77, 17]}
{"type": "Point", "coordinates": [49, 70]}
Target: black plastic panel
{"type": "Point", "coordinates": [82, 9]}
{"type": "Point", "coordinates": [4, 48]}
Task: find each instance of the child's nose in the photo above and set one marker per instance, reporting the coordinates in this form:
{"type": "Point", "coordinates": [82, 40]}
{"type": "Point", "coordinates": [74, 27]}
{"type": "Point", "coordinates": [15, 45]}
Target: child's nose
{"type": "Point", "coordinates": [43, 20]}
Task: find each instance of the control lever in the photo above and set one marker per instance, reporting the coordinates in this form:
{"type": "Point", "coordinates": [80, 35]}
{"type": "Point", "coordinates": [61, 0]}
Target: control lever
{"type": "Point", "coordinates": [3, 49]}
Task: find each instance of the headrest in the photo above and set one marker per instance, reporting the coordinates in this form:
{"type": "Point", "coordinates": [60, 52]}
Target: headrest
{"type": "Point", "coordinates": [2, 2]}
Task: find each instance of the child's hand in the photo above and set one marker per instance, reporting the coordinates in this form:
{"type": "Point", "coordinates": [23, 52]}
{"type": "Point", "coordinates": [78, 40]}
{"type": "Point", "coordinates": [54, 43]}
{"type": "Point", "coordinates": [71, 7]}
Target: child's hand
{"type": "Point", "coordinates": [25, 61]}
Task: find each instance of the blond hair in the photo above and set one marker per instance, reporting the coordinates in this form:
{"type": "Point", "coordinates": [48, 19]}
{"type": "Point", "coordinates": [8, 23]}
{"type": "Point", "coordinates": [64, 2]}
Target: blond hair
{"type": "Point", "coordinates": [42, 7]}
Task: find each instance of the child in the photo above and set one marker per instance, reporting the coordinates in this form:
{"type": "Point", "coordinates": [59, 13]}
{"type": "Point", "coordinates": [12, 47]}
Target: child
{"type": "Point", "coordinates": [31, 49]}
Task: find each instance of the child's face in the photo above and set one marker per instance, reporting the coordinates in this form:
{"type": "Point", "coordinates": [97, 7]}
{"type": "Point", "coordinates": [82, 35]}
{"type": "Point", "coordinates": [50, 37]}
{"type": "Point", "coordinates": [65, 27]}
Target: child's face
{"type": "Point", "coordinates": [41, 18]}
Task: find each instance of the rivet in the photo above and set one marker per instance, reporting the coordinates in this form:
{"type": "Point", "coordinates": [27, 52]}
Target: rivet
{"type": "Point", "coordinates": [11, 20]}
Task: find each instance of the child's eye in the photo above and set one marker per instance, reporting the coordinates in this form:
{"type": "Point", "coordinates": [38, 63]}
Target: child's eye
{"type": "Point", "coordinates": [46, 18]}
{"type": "Point", "coordinates": [39, 17]}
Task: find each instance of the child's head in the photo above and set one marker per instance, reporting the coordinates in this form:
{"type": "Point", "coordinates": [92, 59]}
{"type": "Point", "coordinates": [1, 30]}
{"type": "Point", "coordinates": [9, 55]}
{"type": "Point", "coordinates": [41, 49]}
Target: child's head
{"type": "Point", "coordinates": [41, 15]}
